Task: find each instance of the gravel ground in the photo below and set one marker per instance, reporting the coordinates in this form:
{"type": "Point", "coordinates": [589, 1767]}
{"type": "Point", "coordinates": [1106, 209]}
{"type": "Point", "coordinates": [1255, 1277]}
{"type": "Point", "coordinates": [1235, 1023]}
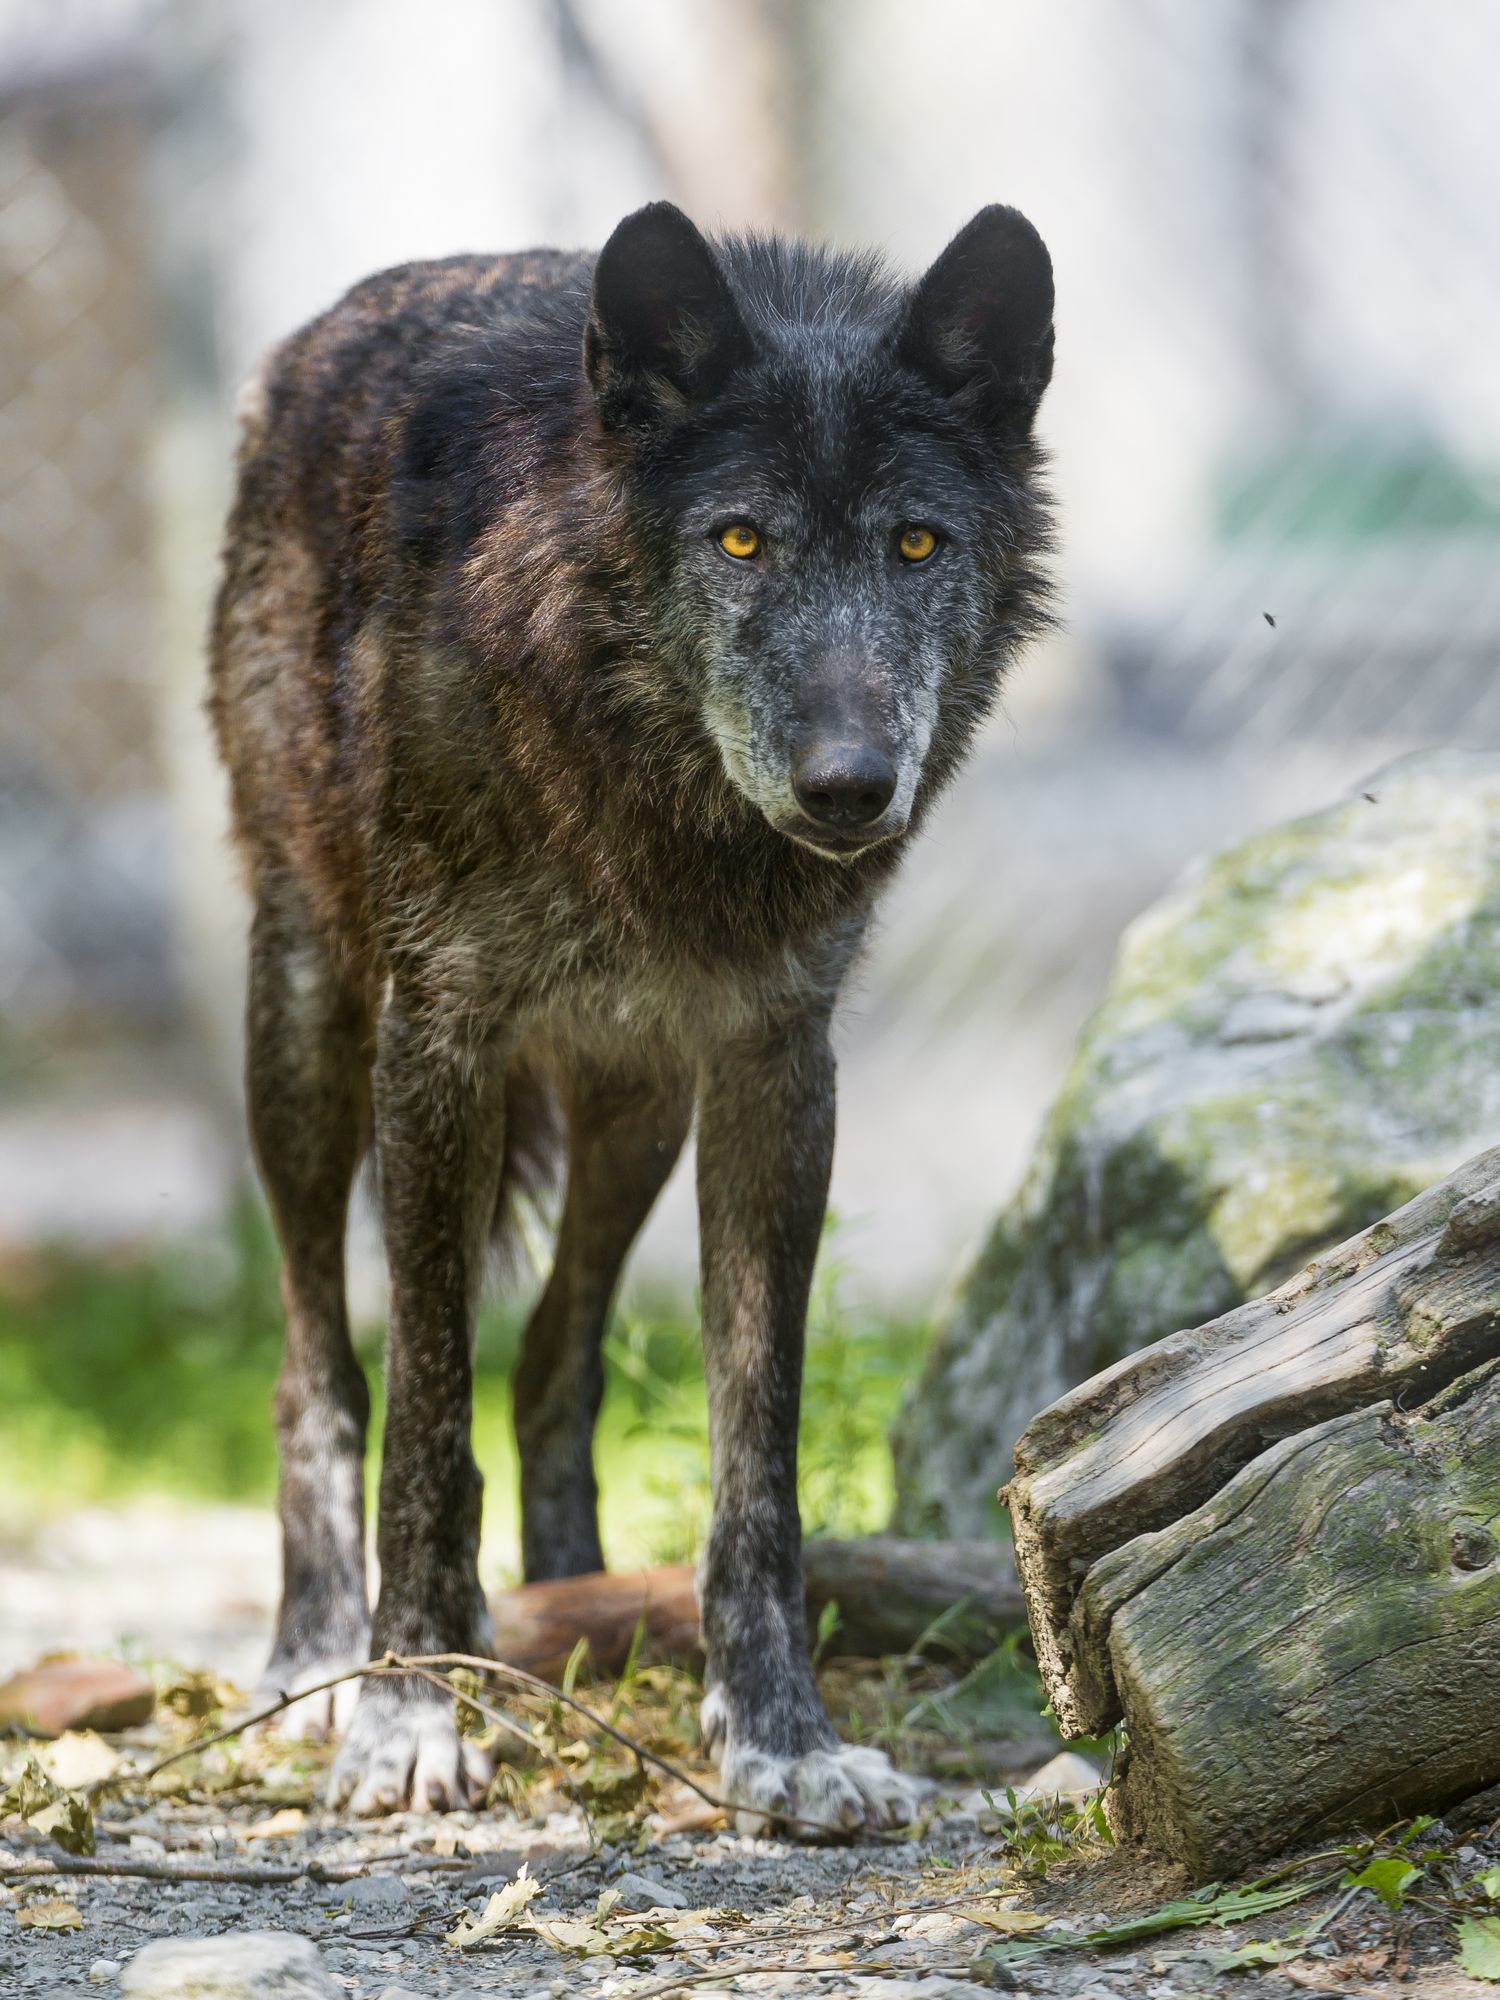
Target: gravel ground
{"type": "Point", "coordinates": [880, 1919]}
{"type": "Point", "coordinates": [883, 1920]}
{"type": "Point", "coordinates": [729, 1914]}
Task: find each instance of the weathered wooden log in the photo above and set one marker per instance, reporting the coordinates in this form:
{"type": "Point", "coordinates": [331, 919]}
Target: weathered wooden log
{"type": "Point", "coordinates": [1318, 1646]}
{"type": "Point", "coordinates": [1396, 1312]}
{"type": "Point", "coordinates": [1266, 1544]}
{"type": "Point", "coordinates": [961, 1598]}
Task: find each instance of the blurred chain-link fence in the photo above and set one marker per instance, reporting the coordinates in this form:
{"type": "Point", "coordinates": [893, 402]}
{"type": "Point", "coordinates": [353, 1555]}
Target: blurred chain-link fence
{"type": "Point", "coordinates": [1276, 427]}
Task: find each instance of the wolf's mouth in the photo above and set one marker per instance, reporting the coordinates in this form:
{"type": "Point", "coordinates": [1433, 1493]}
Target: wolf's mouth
{"type": "Point", "coordinates": [833, 844]}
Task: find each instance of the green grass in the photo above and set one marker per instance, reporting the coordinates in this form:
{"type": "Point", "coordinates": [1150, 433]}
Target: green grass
{"type": "Point", "coordinates": [155, 1375]}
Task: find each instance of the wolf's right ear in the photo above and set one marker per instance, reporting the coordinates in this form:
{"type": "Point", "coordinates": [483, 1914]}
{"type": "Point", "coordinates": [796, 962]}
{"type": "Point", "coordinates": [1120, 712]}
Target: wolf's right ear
{"type": "Point", "coordinates": [664, 330]}
{"type": "Point", "coordinates": [980, 322]}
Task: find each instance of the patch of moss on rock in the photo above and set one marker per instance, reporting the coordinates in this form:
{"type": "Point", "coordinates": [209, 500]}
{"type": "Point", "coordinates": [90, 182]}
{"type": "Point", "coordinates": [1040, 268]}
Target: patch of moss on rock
{"type": "Point", "coordinates": [1297, 1039]}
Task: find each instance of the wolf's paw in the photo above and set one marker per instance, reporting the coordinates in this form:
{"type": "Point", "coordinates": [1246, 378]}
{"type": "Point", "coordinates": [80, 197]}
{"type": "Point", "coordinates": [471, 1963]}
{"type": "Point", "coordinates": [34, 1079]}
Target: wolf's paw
{"type": "Point", "coordinates": [822, 1795]}
{"type": "Point", "coordinates": [404, 1750]}
{"type": "Point", "coordinates": [312, 1718]}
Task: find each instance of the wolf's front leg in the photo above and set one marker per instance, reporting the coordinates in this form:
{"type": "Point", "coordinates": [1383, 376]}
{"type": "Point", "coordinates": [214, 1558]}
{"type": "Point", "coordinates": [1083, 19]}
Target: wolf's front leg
{"type": "Point", "coordinates": [439, 1112]}
{"type": "Point", "coordinates": [764, 1149]}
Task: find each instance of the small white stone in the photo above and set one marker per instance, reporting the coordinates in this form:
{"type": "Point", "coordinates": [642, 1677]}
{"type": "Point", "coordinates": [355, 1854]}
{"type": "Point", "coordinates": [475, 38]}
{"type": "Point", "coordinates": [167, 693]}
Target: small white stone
{"type": "Point", "coordinates": [1065, 1776]}
{"type": "Point", "coordinates": [104, 1969]}
{"type": "Point", "coordinates": [936, 1926]}
{"type": "Point", "coordinates": [245, 1965]}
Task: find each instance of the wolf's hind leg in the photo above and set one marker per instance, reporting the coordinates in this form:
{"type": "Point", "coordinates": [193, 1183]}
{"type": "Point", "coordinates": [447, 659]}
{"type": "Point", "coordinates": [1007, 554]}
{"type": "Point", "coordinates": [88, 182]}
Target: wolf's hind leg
{"type": "Point", "coordinates": [306, 1089]}
{"type": "Point", "coordinates": [625, 1131]}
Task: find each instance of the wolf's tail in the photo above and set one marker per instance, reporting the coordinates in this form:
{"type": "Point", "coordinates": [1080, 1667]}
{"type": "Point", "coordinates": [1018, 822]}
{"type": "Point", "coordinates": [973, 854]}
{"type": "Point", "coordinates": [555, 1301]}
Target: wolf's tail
{"type": "Point", "coordinates": [530, 1170]}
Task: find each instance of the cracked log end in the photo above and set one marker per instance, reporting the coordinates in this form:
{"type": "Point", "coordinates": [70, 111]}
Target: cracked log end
{"type": "Point", "coordinates": [1270, 1545]}
{"type": "Point", "coordinates": [1319, 1645]}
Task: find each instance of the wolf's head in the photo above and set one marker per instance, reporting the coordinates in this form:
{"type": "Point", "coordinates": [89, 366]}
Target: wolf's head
{"type": "Point", "coordinates": [832, 483]}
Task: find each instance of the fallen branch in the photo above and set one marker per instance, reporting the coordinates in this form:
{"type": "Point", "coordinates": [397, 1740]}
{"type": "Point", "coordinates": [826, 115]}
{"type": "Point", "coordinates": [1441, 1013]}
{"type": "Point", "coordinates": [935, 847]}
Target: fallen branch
{"type": "Point", "coordinates": [718, 1973]}
{"type": "Point", "coordinates": [157, 1868]}
{"type": "Point", "coordinates": [198, 1744]}
{"type": "Point", "coordinates": [425, 1663]}
{"type": "Point", "coordinates": [430, 1666]}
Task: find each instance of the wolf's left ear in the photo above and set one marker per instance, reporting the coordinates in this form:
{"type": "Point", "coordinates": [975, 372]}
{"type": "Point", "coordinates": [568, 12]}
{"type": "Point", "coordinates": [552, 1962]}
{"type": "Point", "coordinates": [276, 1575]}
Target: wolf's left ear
{"type": "Point", "coordinates": [663, 330]}
{"type": "Point", "coordinates": [980, 321]}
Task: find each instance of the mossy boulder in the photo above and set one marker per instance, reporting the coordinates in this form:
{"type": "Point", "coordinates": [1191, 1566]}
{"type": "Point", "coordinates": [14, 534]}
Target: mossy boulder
{"type": "Point", "coordinates": [1296, 1040]}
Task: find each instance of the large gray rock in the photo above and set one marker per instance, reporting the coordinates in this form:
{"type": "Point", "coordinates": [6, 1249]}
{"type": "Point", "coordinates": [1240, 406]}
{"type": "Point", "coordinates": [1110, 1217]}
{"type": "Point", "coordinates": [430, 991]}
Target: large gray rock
{"type": "Point", "coordinates": [1295, 1041]}
{"type": "Point", "coordinates": [242, 1965]}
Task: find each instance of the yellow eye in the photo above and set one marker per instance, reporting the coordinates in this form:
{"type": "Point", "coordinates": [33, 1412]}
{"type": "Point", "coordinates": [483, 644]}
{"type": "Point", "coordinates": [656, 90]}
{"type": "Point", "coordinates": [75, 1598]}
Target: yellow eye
{"type": "Point", "coordinates": [740, 541]}
{"type": "Point", "coordinates": [916, 544]}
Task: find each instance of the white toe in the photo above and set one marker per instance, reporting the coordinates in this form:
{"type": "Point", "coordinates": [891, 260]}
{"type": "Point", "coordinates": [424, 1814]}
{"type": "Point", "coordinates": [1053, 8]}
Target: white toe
{"type": "Point", "coordinates": [405, 1753]}
{"type": "Point", "coordinates": [824, 1795]}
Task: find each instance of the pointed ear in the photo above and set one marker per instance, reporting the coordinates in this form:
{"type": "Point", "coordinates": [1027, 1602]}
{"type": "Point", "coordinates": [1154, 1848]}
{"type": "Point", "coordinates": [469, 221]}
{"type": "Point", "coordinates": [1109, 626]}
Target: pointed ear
{"type": "Point", "coordinates": [663, 329]}
{"type": "Point", "coordinates": [980, 321]}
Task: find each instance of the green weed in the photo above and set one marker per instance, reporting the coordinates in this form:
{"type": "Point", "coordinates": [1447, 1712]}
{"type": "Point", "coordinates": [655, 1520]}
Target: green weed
{"type": "Point", "coordinates": [121, 1377]}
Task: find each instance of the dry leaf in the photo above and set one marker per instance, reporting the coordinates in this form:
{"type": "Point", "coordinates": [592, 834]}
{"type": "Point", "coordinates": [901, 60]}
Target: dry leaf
{"type": "Point", "coordinates": [280, 1826]}
{"type": "Point", "coordinates": [53, 1913]}
{"type": "Point", "coordinates": [501, 1913]}
{"type": "Point", "coordinates": [79, 1758]}
{"type": "Point", "coordinates": [199, 1693]}
{"type": "Point", "coordinates": [69, 1822]}
{"type": "Point", "coordinates": [1011, 1922]}
{"type": "Point", "coordinates": [576, 1934]}
{"type": "Point", "coordinates": [640, 1938]}
{"type": "Point", "coordinates": [28, 1791]}
{"type": "Point", "coordinates": [177, 1779]}
{"type": "Point", "coordinates": [615, 1791]}
{"type": "Point", "coordinates": [64, 1816]}
{"type": "Point", "coordinates": [571, 1934]}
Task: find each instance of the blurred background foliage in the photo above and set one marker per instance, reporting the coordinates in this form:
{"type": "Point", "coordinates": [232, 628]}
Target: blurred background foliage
{"type": "Point", "coordinates": [135, 1374]}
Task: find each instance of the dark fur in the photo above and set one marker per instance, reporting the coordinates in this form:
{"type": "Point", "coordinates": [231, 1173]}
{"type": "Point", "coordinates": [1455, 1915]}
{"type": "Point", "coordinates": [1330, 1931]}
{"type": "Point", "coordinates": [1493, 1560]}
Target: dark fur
{"type": "Point", "coordinates": [508, 738]}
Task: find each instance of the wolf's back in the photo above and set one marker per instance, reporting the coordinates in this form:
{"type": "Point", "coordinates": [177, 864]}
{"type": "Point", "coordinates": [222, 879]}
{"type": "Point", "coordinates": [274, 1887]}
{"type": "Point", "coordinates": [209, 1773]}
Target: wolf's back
{"type": "Point", "coordinates": [324, 493]}
{"type": "Point", "coordinates": [307, 556]}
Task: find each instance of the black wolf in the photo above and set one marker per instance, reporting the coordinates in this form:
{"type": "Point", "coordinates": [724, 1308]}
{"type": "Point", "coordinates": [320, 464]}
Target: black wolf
{"type": "Point", "coordinates": [594, 635]}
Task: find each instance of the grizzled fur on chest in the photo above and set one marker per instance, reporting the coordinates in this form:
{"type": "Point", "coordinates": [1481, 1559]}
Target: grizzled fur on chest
{"type": "Point", "coordinates": [488, 686]}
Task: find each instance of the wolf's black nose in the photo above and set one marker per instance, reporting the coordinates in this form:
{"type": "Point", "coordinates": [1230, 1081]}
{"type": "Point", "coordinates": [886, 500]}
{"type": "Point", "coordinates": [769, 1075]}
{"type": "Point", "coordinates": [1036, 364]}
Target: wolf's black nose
{"type": "Point", "coordinates": [843, 784]}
